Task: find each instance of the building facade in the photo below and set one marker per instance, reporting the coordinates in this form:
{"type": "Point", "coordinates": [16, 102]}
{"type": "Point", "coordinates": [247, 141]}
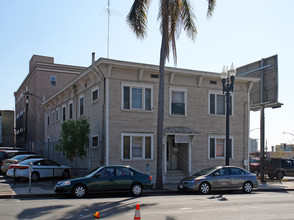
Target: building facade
{"type": "Point", "coordinates": [120, 100]}
{"type": "Point", "coordinates": [43, 80]}
{"type": "Point", "coordinates": [7, 137]}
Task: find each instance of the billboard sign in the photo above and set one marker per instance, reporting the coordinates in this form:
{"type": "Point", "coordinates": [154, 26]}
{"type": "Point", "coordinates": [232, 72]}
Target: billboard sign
{"type": "Point", "coordinates": [264, 93]}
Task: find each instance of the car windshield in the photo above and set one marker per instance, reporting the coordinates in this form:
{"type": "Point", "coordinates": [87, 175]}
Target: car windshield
{"type": "Point", "coordinates": [254, 160]}
{"type": "Point", "coordinates": [94, 171]}
{"type": "Point", "coordinates": [204, 171]}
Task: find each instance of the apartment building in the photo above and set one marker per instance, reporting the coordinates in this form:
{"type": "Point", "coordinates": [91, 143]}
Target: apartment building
{"type": "Point", "coordinates": [43, 80]}
{"type": "Point", "coordinates": [120, 100]}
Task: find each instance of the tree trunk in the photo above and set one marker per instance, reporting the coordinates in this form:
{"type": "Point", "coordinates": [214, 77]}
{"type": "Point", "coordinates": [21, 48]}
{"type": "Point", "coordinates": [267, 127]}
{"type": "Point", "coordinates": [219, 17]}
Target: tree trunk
{"type": "Point", "coordinates": [160, 116]}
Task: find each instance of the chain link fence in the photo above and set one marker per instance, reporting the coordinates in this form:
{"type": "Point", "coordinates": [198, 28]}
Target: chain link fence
{"type": "Point", "coordinates": [79, 167]}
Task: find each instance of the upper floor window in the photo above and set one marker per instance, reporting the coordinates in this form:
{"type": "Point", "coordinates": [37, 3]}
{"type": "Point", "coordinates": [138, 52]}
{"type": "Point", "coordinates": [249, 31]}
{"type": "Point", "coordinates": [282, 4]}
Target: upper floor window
{"type": "Point", "coordinates": [178, 101]}
{"type": "Point", "coordinates": [52, 117]}
{"type": "Point", "coordinates": [63, 113]}
{"type": "Point", "coordinates": [53, 80]}
{"type": "Point", "coordinates": [70, 110]}
{"type": "Point", "coordinates": [95, 94]}
{"type": "Point", "coordinates": [137, 146]}
{"type": "Point", "coordinates": [217, 148]}
{"type": "Point", "coordinates": [82, 105]}
{"type": "Point", "coordinates": [217, 104]}
{"type": "Point", "coordinates": [137, 97]}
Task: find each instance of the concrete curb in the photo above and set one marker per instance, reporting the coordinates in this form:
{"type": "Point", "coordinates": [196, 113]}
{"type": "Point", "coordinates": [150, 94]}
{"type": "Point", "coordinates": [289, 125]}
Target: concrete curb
{"type": "Point", "coordinates": [167, 191]}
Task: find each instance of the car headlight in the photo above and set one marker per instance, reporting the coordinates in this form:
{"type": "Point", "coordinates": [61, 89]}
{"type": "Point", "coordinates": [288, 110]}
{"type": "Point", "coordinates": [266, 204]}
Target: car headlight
{"type": "Point", "coordinates": [64, 183]}
{"type": "Point", "coordinates": [193, 181]}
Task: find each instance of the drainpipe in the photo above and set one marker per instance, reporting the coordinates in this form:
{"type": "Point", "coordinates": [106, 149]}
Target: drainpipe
{"type": "Point", "coordinates": [248, 127]}
{"type": "Point", "coordinates": [97, 70]}
{"type": "Point", "coordinates": [107, 114]}
{"type": "Point", "coordinates": [107, 121]}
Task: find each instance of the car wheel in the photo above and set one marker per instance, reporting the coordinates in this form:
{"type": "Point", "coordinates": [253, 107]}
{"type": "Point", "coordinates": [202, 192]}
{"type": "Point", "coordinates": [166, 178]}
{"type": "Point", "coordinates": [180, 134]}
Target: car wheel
{"type": "Point", "coordinates": [35, 176]}
{"type": "Point", "coordinates": [279, 174]}
{"type": "Point", "coordinates": [80, 191]}
{"type": "Point", "coordinates": [136, 189]}
{"type": "Point", "coordinates": [247, 187]}
{"type": "Point", "coordinates": [65, 174]}
{"type": "Point", "coordinates": [204, 188]}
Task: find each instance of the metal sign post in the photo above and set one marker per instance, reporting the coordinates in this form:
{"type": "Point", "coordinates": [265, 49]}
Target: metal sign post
{"type": "Point", "coordinates": [30, 176]}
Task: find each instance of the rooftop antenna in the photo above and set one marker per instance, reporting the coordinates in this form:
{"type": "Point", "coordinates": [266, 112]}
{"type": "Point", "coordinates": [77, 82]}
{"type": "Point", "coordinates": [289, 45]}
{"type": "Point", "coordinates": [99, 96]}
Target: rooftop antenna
{"type": "Point", "coordinates": [108, 12]}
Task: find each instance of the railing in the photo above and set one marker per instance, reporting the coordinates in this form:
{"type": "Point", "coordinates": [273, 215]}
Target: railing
{"type": "Point", "coordinates": [54, 176]}
{"type": "Point", "coordinates": [185, 162]}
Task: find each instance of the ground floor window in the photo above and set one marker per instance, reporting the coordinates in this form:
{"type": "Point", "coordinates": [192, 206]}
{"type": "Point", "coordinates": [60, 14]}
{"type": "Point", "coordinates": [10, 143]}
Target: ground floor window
{"type": "Point", "coordinates": [217, 147]}
{"type": "Point", "coordinates": [137, 146]}
{"type": "Point", "coordinates": [95, 140]}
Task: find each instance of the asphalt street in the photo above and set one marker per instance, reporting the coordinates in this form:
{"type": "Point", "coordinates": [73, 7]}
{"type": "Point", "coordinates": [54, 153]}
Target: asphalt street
{"type": "Point", "coordinates": [222, 206]}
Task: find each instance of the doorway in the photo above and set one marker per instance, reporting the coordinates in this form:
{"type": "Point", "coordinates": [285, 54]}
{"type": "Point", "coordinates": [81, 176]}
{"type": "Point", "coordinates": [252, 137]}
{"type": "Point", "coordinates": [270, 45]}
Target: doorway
{"type": "Point", "coordinates": [176, 154]}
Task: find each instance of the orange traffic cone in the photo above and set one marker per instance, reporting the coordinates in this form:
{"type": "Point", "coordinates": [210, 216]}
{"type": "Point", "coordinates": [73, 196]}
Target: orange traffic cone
{"type": "Point", "coordinates": [137, 212]}
{"type": "Point", "coordinates": [97, 215]}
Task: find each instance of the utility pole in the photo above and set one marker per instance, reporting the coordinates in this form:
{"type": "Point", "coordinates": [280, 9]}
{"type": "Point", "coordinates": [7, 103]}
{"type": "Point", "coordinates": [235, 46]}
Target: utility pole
{"type": "Point", "coordinates": [262, 132]}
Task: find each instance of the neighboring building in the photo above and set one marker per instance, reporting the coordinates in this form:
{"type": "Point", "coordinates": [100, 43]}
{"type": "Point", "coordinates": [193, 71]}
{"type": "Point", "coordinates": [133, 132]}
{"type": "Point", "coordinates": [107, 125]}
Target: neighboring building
{"type": "Point", "coordinates": [43, 80]}
{"type": "Point", "coordinates": [253, 145]}
{"type": "Point", "coordinates": [7, 128]}
{"type": "Point", "coordinates": [120, 100]}
{"type": "Point", "coordinates": [285, 147]}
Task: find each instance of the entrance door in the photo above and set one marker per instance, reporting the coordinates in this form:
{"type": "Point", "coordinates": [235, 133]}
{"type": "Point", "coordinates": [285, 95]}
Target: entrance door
{"type": "Point", "coordinates": [172, 157]}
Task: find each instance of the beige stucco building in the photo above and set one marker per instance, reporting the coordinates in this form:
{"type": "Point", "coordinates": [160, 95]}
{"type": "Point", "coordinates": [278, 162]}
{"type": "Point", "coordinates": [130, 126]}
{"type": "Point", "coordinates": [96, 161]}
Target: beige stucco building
{"type": "Point", "coordinates": [120, 100]}
{"type": "Point", "coordinates": [43, 80]}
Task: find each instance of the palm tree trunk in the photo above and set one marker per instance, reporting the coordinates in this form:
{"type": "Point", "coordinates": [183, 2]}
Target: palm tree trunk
{"type": "Point", "coordinates": [160, 116]}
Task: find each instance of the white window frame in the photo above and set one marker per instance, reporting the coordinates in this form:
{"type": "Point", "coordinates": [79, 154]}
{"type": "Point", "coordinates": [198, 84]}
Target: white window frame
{"type": "Point", "coordinates": [54, 77]}
{"type": "Point", "coordinates": [215, 103]}
{"type": "Point", "coordinates": [143, 145]}
{"type": "Point", "coordinates": [57, 116]}
{"type": "Point", "coordinates": [92, 136]}
{"type": "Point", "coordinates": [139, 86]}
{"type": "Point", "coordinates": [94, 89]}
{"type": "Point", "coordinates": [63, 108]}
{"type": "Point", "coordinates": [72, 110]}
{"type": "Point", "coordinates": [224, 138]}
{"type": "Point", "coordinates": [52, 117]}
{"type": "Point", "coordinates": [81, 97]}
{"type": "Point", "coordinates": [177, 89]}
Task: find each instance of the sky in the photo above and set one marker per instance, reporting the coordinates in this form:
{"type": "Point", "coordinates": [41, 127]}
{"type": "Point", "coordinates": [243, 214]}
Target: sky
{"type": "Point", "coordinates": [240, 31]}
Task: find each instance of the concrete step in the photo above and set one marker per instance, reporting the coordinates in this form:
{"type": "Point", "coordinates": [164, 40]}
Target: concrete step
{"type": "Point", "coordinates": [174, 176]}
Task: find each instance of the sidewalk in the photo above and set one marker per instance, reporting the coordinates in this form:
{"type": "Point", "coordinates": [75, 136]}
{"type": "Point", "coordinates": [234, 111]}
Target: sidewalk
{"type": "Point", "coordinates": [45, 188]}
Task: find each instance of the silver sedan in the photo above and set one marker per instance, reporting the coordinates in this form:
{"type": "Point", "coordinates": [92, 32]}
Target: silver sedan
{"type": "Point", "coordinates": [219, 178]}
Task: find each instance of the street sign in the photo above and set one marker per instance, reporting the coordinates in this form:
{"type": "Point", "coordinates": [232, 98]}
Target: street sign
{"type": "Point", "coordinates": [181, 139]}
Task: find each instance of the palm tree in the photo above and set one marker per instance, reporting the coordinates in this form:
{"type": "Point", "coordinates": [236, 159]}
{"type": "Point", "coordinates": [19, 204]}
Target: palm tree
{"type": "Point", "coordinates": [173, 15]}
